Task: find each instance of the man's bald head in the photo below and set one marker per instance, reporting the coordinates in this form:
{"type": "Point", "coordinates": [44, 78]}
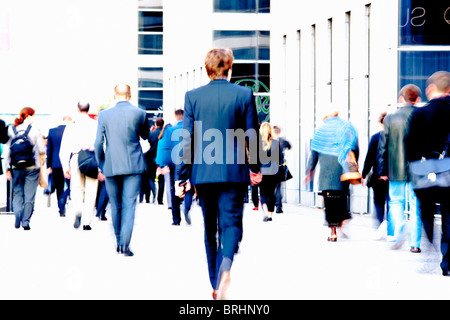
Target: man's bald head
{"type": "Point", "coordinates": [122, 92]}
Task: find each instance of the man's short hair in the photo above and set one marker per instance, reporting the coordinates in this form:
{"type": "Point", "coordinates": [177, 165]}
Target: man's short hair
{"type": "Point", "coordinates": [83, 106]}
{"type": "Point", "coordinates": [441, 79]}
{"type": "Point", "coordinates": [179, 113]}
{"type": "Point", "coordinates": [159, 122]}
{"type": "Point", "coordinates": [218, 62]}
{"type": "Point", "coordinates": [410, 92]}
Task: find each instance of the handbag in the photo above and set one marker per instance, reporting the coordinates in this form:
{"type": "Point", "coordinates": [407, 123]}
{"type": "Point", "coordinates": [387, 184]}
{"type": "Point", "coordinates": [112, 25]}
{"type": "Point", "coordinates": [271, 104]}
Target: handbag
{"type": "Point", "coordinates": [87, 163]}
{"type": "Point", "coordinates": [283, 173]}
{"type": "Point", "coordinates": [434, 172]}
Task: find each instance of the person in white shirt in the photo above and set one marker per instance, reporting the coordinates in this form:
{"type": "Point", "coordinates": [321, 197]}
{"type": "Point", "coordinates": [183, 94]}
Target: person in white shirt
{"type": "Point", "coordinates": [80, 135]}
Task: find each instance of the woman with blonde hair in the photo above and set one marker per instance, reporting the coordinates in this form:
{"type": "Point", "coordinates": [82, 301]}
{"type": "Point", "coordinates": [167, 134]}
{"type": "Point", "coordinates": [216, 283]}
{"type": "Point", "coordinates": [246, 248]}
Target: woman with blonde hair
{"type": "Point", "coordinates": [23, 165]}
{"type": "Point", "coordinates": [271, 158]}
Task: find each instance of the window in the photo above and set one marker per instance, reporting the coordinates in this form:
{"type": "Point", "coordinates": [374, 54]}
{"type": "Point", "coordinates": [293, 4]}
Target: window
{"type": "Point", "coordinates": [246, 45]}
{"type": "Point", "coordinates": [416, 66]}
{"type": "Point", "coordinates": [150, 100]}
{"type": "Point", "coordinates": [251, 68]}
{"type": "Point", "coordinates": [424, 22]}
{"type": "Point", "coordinates": [150, 21]}
{"type": "Point", "coordinates": [150, 77]}
{"type": "Point", "coordinates": [243, 6]}
{"type": "Point", "coordinates": [150, 44]}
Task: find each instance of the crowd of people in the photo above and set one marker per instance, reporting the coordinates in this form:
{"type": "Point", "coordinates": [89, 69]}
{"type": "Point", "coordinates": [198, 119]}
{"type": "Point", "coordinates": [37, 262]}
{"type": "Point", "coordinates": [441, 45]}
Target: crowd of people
{"type": "Point", "coordinates": [117, 158]}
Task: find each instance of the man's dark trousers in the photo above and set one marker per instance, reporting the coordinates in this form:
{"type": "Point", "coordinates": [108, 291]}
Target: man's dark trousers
{"type": "Point", "coordinates": [222, 205]}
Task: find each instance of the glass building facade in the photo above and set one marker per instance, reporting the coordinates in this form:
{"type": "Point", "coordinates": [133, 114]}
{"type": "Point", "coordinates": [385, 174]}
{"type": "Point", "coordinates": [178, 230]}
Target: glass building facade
{"type": "Point", "coordinates": [150, 44]}
{"type": "Point", "coordinates": [424, 41]}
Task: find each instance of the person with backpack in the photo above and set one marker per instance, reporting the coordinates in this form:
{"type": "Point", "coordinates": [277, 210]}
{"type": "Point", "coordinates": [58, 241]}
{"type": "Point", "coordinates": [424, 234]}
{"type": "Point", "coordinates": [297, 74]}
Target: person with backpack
{"type": "Point", "coordinates": [23, 153]}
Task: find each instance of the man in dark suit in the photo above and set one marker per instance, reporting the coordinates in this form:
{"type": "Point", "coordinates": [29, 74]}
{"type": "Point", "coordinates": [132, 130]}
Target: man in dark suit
{"type": "Point", "coordinates": [219, 171]}
{"type": "Point", "coordinates": [54, 164]}
{"type": "Point", "coordinates": [119, 153]}
{"type": "Point", "coordinates": [153, 139]}
{"type": "Point", "coordinates": [429, 134]}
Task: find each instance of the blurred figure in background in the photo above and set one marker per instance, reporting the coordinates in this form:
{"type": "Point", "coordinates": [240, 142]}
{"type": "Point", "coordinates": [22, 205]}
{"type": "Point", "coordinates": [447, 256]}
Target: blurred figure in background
{"type": "Point", "coordinates": [429, 135]}
{"type": "Point", "coordinates": [330, 146]}
{"type": "Point", "coordinates": [153, 139]}
{"type": "Point", "coordinates": [271, 150]}
{"type": "Point", "coordinates": [284, 144]}
{"type": "Point", "coordinates": [61, 184]}
{"type": "Point", "coordinates": [24, 153]}
{"type": "Point", "coordinates": [379, 186]}
{"type": "Point", "coordinates": [78, 136]}
{"type": "Point", "coordinates": [394, 165]}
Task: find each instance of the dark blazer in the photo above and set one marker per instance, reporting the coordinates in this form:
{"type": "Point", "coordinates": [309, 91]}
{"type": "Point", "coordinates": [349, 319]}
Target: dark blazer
{"type": "Point", "coordinates": [215, 108]}
{"type": "Point", "coordinates": [392, 160]}
{"type": "Point", "coordinates": [153, 139]}
{"type": "Point", "coordinates": [3, 138]}
{"type": "Point", "coordinates": [429, 129]}
{"type": "Point", "coordinates": [120, 129]}
{"type": "Point", "coordinates": [53, 146]}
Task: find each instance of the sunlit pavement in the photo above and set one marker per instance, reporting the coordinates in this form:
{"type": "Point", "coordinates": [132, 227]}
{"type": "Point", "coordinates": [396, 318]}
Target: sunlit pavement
{"type": "Point", "coordinates": [288, 258]}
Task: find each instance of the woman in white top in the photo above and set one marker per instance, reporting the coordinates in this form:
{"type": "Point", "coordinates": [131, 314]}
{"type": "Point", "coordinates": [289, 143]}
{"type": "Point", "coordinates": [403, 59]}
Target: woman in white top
{"type": "Point", "coordinates": [25, 179]}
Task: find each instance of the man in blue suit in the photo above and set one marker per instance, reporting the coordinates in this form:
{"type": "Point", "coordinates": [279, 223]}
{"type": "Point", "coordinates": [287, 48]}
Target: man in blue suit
{"type": "Point", "coordinates": [54, 164]}
{"type": "Point", "coordinates": [119, 153]}
{"type": "Point", "coordinates": [215, 115]}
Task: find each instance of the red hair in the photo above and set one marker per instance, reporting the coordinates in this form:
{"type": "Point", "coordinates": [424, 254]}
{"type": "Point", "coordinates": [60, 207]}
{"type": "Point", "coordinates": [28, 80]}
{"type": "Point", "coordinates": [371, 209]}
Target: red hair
{"type": "Point", "coordinates": [24, 113]}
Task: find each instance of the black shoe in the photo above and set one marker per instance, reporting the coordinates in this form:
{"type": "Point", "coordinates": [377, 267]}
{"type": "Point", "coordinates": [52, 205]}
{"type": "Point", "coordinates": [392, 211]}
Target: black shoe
{"type": "Point", "coordinates": [87, 227]}
{"type": "Point", "coordinates": [279, 210]}
{"type": "Point", "coordinates": [26, 228]}
{"type": "Point", "coordinates": [445, 273]}
{"type": "Point", "coordinates": [77, 222]}
{"type": "Point", "coordinates": [103, 218]}
{"type": "Point", "coordinates": [175, 224]}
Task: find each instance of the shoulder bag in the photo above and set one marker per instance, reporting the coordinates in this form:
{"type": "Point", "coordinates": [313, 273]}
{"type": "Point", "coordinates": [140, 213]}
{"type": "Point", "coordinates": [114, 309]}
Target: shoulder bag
{"type": "Point", "coordinates": [434, 172]}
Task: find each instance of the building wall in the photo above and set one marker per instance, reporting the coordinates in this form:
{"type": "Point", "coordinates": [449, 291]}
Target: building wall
{"type": "Point", "coordinates": [345, 55]}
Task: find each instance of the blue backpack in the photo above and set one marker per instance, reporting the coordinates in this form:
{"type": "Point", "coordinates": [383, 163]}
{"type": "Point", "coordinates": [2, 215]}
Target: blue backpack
{"type": "Point", "coordinates": [22, 154]}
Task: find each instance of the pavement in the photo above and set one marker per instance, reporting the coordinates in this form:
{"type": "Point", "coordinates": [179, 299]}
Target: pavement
{"type": "Point", "coordinates": [285, 259]}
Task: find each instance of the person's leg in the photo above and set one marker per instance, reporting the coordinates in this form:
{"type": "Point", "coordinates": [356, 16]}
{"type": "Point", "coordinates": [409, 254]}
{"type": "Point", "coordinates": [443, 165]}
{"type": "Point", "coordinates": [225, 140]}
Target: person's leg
{"type": "Point", "coordinates": [176, 201]}
{"type": "Point", "coordinates": [397, 208]}
{"type": "Point", "coordinates": [208, 202]}
{"type": "Point", "coordinates": [231, 207]}
{"type": "Point", "coordinates": [415, 221]}
{"type": "Point", "coordinates": [18, 182]}
{"type": "Point", "coordinates": [444, 202]}
{"type": "Point", "coordinates": [130, 192]}
{"type": "Point", "coordinates": [30, 187]}
{"type": "Point", "coordinates": [77, 190]}
{"type": "Point", "coordinates": [114, 187]}
{"type": "Point", "coordinates": [90, 194]}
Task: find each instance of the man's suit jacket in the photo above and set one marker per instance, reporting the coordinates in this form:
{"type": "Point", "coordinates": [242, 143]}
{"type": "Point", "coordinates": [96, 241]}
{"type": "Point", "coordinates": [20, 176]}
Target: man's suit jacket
{"type": "Point", "coordinates": [54, 145]}
{"type": "Point", "coordinates": [117, 146]}
{"type": "Point", "coordinates": [218, 108]}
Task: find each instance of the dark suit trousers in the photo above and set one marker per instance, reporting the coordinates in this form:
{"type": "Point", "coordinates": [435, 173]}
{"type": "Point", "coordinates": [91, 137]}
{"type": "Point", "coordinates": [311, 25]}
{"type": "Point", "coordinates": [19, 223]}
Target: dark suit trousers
{"type": "Point", "coordinates": [428, 199]}
{"type": "Point", "coordinates": [222, 205]}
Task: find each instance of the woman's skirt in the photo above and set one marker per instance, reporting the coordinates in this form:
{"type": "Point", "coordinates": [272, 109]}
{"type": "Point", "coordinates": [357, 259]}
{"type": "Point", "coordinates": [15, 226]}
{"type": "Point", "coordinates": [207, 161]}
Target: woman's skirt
{"type": "Point", "coordinates": [336, 207]}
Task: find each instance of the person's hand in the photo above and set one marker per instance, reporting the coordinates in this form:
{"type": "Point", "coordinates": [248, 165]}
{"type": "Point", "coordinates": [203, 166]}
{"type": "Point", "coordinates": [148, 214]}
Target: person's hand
{"type": "Point", "coordinates": [67, 174]}
{"type": "Point", "coordinates": [255, 178]}
{"type": "Point", "coordinates": [181, 188]}
{"type": "Point", "coordinates": [8, 175]}
{"type": "Point", "coordinates": [101, 177]}
{"type": "Point", "coordinates": [385, 178]}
